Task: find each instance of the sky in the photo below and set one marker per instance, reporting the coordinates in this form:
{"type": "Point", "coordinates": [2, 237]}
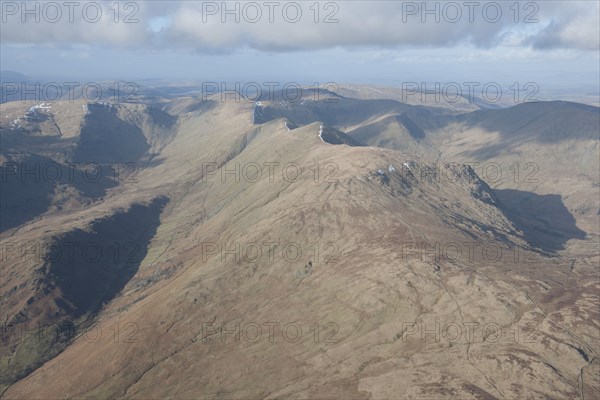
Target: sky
{"type": "Point", "coordinates": [553, 43]}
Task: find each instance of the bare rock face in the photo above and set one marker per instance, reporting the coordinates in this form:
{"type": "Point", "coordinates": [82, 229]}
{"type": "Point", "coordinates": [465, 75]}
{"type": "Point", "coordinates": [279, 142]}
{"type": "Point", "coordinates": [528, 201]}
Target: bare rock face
{"type": "Point", "coordinates": [344, 249]}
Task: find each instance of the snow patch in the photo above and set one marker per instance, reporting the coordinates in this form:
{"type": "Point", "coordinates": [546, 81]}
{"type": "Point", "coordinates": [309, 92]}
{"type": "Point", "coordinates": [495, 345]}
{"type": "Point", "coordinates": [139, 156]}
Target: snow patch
{"type": "Point", "coordinates": [391, 168]}
{"type": "Point", "coordinates": [99, 103]}
{"type": "Point", "coordinates": [33, 110]}
{"type": "Point", "coordinates": [42, 106]}
{"type": "Point", "coordinates": [15, 123]}
{"type": "Point", "coordinates": [321, 134]}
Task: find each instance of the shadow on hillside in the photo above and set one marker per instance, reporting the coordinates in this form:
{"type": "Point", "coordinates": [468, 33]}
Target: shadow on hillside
{"type": "Point", "coordinates": [544, 219]}
{"type": "Point", "coordinates": [107, 139]}
{"type": "Point", "coordinates": [161, 118]}
{"type": "Point", "coordinates": [105, 257]}
{"type": "Point", "coordinates": [543, 122]}
{"type": "Point", "coordinates": [341, 113]}
{"type": "Point", "coordinates": [413, 129]}
{"type": "Point", "coordinates": [29, 185]}
{"type": "Point", "coordinates": [89, 268]}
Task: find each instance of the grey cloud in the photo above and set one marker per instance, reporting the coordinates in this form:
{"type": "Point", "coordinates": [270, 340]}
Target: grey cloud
{"type": "Point", "coordinates": [385, 24]}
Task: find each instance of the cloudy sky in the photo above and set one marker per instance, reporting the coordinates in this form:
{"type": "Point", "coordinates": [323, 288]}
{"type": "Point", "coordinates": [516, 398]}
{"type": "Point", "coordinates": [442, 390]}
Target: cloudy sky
{"type": "Point", "coordinates": [553, 43]}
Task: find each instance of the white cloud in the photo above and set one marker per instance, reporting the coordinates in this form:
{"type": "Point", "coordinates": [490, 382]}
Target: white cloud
{"type": "Point", "coordinates": [211, 26]}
